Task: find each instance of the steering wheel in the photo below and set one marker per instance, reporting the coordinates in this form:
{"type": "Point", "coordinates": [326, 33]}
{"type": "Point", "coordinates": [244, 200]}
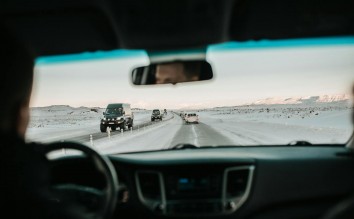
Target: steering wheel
{"type": "Point", "coordinates": [104, 166]}
{"type": "Point", "coordinates": [342, 210]}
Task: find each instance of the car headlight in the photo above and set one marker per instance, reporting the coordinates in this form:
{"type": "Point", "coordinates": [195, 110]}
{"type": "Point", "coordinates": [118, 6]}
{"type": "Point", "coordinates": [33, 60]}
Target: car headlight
{"type": "Point", "coordinates": [104, 119]}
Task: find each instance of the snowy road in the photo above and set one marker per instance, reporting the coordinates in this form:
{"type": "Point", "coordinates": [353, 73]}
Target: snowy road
{"type": "Point", "coordinates": [74, 124]}
{"type": "Point", "coordinates": [216, 127]}
{"type": "Point", "coordinates": [218, 131]}
{"type": "Point", "coordinates": [163, 135]}
{"type": "Point", "coordinates": [99, 135]}
{"type": "Point", "coordinates": [200, 135]}
{"type": "Point", "coordinates": [154, 135]}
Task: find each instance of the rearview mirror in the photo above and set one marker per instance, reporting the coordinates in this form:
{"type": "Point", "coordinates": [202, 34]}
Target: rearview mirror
{"type": "Point", "coordinates": [172, 72]}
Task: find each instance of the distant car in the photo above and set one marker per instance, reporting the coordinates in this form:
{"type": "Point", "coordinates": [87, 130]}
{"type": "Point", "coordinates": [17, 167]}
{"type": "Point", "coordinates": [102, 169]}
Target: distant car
{"type": "Point", "coordinates": [156, 115]}
{"type": "Point", "coordinates": [117, 115]}
{"type": "Point", "coordinates": [191, 118]}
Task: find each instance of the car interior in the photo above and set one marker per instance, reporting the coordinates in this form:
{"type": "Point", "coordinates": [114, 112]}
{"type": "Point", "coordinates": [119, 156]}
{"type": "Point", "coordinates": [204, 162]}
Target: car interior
{"type": "Point", "coordinates": [297, 181]}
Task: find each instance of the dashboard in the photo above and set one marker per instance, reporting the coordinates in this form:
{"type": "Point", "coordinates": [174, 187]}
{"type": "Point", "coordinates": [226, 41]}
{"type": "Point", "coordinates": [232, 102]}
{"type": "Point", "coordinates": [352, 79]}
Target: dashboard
{"type": "Point", "coordinates": [196, 190]}
{"type": "Point", "coordinates": [225, 182]}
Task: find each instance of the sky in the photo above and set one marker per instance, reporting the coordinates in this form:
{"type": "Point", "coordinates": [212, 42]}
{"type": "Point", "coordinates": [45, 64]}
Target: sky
{"type": "Point", "coordinates": [241, 76]}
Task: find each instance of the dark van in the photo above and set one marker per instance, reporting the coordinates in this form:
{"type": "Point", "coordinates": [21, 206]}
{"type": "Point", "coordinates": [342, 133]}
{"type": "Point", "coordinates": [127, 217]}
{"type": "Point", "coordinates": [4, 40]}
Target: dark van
{"type": "Point", "coordinates": [156, 115]}
{"type": "Point", "coordinates": [117, 115]}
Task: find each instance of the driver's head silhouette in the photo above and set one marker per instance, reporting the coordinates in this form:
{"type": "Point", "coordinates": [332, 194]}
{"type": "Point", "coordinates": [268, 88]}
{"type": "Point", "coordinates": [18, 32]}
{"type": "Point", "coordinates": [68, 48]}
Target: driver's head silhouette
{"type": "Point", "coordinates": [16, 78]}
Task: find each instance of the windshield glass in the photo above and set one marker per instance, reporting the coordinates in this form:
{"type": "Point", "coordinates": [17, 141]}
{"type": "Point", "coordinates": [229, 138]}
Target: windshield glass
{"type": "Point", "coordinates": [114, 111]}
{"type": "Point", "coordinates": [263, 93]}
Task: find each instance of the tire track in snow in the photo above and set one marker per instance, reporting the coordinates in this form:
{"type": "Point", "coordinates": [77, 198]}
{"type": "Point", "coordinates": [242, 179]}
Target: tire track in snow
{"type": "Point", "coordinates": [99, 135]}
{"type": "Point", "coordinates": [200, 135]}
{"type": "Point", "coordinates": [244, 137]}
{"type": "Point", "coordinates": [196, 136]}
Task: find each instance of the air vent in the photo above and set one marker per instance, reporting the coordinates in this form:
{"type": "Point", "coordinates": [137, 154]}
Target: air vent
{"type": "Point", "coordinates": [149, 184]}
{"type": "Point", "coordinates": [237, 184]}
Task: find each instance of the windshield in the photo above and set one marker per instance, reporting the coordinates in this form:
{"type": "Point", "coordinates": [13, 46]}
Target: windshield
{"type": "Point", "coordinates": [114, 111]}
{"type": "Point", "coordinates": [263, 93]}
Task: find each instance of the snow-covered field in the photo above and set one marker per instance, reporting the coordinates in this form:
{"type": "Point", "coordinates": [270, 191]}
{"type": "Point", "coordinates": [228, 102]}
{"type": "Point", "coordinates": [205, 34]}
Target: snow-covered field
{"type": "Point", "coordinates": [264, 124]}
{"type": "Point", "coordinates": [61, 122]}
{"type": "Point", "coordinates": [281, 124]}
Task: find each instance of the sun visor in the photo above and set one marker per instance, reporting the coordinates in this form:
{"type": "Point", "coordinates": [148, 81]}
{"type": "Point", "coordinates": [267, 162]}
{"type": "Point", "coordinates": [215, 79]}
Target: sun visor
{"type": "Point", "coordinates": [279, 19]}
{"type": "Point", "coordinates": [172, 24]}
{"type": "Point", "coordinates": [55, 32]}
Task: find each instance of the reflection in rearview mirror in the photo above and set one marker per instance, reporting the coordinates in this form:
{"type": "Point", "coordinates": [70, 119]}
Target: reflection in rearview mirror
{"type": "Point", "coordinates": [172, 72]}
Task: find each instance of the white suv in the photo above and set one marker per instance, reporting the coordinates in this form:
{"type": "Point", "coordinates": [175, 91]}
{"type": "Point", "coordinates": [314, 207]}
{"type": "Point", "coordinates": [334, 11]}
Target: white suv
{"type": "Point", "coordinates": [191, 118]}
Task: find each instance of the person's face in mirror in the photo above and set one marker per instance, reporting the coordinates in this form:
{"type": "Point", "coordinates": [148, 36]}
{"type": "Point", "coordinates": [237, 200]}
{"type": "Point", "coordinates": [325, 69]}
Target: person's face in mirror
{"type": "Point", "coordinates": [170, 73]}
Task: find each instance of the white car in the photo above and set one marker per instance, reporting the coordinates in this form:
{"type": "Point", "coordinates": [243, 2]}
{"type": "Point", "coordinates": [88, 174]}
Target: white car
{"type": "Point", "coordinates": [191, 118]}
